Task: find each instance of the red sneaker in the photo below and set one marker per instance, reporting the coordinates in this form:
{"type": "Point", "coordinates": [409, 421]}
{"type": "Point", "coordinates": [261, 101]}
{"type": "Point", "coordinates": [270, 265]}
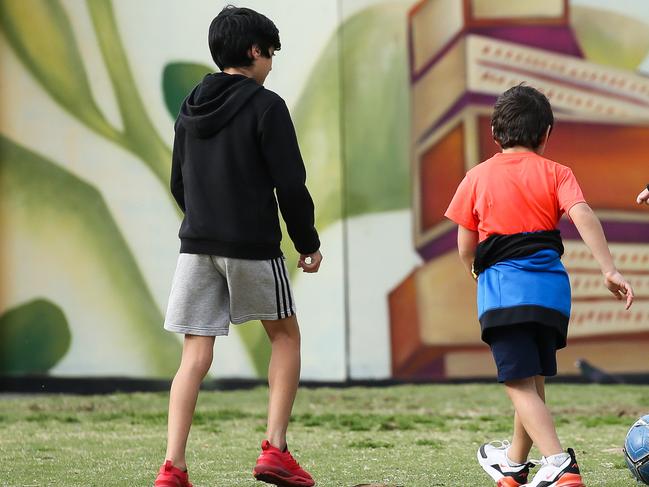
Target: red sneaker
{"type": "Point", "coordinates": [280, 468]}
{"type": "Point", "coordinates": [170, 476]}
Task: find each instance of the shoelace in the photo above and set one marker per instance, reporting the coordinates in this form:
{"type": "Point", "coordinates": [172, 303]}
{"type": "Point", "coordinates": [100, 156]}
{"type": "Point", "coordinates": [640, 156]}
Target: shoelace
{"type": "Point", "coordinates": [291, 461]}
{"type": "Point", "coordinates": [189, 484]}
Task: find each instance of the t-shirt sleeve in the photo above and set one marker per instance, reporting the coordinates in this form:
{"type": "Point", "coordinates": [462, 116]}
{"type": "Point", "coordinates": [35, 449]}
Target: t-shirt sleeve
{"type": "Point", "coordinates": [568, 191]}
{"type": "Point", "coordinates": [461, 209]}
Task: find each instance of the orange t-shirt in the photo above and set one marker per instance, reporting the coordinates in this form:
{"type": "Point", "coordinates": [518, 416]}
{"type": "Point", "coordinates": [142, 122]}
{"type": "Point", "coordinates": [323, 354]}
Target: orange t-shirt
{"type": "Point", "coordinates": [514, 192]}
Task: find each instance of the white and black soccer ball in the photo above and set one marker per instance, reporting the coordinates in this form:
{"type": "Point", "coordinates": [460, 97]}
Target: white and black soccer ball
{"type": "Point", "coordinates": [636, 449]}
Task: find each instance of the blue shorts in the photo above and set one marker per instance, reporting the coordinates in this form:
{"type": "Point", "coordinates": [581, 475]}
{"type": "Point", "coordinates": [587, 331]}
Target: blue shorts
{"type": "Point", "coordinates": [523, 350]}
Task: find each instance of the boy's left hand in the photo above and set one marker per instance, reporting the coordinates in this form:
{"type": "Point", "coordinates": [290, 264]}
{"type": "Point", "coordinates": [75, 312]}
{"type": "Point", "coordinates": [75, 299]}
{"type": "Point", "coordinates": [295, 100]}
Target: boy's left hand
{"type": "Point", "coordinates": [643, 197]}
{"type": "Point", "coordinates": [314, 262]}
{"type": "Point", "coordinates": [620, 288]}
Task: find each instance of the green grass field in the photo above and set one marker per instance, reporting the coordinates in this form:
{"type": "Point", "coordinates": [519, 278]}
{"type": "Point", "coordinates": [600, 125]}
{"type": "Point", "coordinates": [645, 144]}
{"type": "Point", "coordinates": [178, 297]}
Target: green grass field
{"type": "Point", "coordinates": [408, 436]}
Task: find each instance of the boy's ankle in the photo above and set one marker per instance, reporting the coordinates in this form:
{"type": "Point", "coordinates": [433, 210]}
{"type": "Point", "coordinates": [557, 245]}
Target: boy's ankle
{"type": "Point", "coordinates": [277, 443]}
{"type": "Point", "coordinates": [511, 462]}
{"type": "Point", "coordinates": [557, 459]}
{"type": "Point", "coordinates": [179, 464]}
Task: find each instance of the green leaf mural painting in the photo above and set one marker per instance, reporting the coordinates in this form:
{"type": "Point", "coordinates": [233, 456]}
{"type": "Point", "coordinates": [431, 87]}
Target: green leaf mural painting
{"type": "Point", "coordinates": [61, 241]}
{"type": "Point", "coordinates": [34, 337]}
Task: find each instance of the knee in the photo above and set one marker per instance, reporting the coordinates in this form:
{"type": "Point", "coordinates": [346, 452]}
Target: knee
{"type": "Point", "coordinates": [198, 364]}
{"type": "Point", "coordinates": [520, 388]}
{"type": "Point", "coordinates": [285, 332]}
{"type": "Point", "coordinates": [289, 337]}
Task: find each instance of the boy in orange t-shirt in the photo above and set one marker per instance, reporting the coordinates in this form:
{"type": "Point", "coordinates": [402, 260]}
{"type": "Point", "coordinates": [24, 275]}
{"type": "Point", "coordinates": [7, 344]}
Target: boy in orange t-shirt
{"type": "Point", "coordinates": [507, 209]}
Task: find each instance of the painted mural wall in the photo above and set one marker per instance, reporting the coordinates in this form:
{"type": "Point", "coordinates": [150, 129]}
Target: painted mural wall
{"type": "Point", "coordinates": [588, 70]}
{"type": "Point", "coordinates": [391, 104]}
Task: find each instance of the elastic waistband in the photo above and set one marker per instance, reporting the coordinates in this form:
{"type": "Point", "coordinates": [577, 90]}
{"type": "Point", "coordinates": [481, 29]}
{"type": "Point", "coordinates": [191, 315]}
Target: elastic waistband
{"type": "Point", "coordinates": [251, 251]}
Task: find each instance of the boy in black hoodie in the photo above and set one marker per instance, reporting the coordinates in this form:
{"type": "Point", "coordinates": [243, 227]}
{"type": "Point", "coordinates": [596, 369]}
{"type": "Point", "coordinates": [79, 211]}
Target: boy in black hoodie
{"type": "Point", "coordinates": [235, 148]}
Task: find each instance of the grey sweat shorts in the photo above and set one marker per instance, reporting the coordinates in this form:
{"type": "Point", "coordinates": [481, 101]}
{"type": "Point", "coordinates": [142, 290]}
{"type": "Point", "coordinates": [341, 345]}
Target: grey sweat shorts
{"type": "Point", "coordinates": [210, 292]}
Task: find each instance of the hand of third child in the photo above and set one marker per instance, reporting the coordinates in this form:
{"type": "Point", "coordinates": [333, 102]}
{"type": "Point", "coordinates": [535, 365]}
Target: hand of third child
{"type": "Point", "coordinates": [643, 197]}
{"type": "Point", "coordinates": [313, 263]}
{"type": "Point", "coordinates": [620, 288]}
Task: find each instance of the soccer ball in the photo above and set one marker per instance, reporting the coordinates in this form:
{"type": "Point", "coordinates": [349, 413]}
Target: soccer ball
{"type": "Point", "coordinates": [636, 449]}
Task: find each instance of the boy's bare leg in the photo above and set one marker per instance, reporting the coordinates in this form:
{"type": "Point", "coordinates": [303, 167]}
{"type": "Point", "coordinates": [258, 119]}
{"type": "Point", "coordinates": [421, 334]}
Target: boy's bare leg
{"type": "Point", "coordinates": [283, 376]}
{"type": "Point", "coordinates": [521, 441]}
{"type": "Point", "coordinates": [196, 361]}
{"type": "Point", "coordinates": [534, 415]}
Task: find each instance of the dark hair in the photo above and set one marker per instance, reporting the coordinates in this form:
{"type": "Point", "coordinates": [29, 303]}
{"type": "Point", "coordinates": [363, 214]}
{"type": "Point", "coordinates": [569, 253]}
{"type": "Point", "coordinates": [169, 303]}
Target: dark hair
{"type": "Point", "coordinates": [521, 116]}
{"type": "Point", "coordinates": [235, 30]}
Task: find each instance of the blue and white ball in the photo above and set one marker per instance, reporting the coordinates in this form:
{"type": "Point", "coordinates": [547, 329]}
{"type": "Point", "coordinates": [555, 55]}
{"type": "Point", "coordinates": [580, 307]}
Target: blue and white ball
{"type": "Point", "coordinates": [636, 449]}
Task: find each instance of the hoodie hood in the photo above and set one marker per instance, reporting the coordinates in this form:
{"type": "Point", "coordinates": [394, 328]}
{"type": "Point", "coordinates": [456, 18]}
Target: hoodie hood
{"type": "Point", "coordinates": [214, 102]}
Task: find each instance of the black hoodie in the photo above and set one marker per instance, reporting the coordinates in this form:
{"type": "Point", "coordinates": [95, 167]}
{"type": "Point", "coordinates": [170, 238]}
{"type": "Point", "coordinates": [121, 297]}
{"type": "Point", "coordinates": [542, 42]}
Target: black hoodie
{"type": "Point", "coordinates": [235, 145]}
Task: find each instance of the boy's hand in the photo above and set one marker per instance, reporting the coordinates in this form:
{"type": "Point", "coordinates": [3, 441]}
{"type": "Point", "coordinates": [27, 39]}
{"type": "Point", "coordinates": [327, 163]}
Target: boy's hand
{"type": "Point", "coordinates": [620, 288]}
{"type": "Point", "coordinates": [310, 262]}
{"type": "Point", "coordinates": [643, 197]}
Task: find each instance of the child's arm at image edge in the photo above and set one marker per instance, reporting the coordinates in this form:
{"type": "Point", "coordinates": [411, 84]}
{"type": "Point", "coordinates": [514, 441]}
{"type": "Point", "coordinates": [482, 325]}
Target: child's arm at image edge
{"type": "Point", "coordinates": [592, 234]}
{"type": "Point", "coordinates": [467, 240]}
{"type": "Point", "coordinates": [176, 182]}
